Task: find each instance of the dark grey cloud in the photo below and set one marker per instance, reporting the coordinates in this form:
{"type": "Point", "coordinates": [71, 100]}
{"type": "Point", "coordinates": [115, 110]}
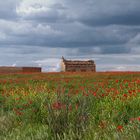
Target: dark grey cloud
{"type": "Point", "coordinates": [118, 49]}
{"type": "Point", "coordinates": [127, 19]}
{"type": "Point", "coordinates": [33, 32]}
{"type": "Point", "coordinates": [106, 12]}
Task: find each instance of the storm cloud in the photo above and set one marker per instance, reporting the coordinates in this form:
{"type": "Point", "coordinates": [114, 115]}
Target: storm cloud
{"type": "Point", "coordinates": [41, 31]}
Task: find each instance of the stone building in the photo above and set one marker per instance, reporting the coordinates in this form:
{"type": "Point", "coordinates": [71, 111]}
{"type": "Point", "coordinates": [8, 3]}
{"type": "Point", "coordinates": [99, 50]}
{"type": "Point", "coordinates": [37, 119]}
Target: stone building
{"type": "Point", "coordinates": [77, 66]}
{"type": "Point", "coordinates": [19, 69]}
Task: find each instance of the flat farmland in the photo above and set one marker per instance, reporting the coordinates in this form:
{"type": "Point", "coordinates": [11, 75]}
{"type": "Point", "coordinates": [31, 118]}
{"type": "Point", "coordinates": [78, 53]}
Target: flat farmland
{"type": "Point", "coordinates": [70, 106]}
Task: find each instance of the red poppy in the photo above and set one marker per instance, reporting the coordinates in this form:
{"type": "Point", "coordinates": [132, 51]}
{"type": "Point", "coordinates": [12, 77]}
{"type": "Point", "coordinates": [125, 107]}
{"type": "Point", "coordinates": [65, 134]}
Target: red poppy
{"type": "Point", "coordinates": [57, 105]}
{"type": "Point", "coordinates": [94, 93]}
{"type": "Point", "coordinates": [125, 95]}
{"type": "Point", "coordinates": [30, 102]}
{"type": "Point", "coordinates": [119, 127]}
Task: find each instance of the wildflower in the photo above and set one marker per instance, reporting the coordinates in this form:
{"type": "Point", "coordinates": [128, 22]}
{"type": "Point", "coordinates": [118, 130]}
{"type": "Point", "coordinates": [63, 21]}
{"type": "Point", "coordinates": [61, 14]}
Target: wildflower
{"type": "Point", "coordinates": [76, 106]}
{"type": "Point", "coordinates": [19, 113]}
{"type": "Point", "coordinates": [138, 118]}
{"type": "Point", "coordinates": [130, 92]}
{"type": "Point", "coordinates": [57, 105]}
{"type": "Point", "coordinates": [94, 94]}
{"type": "Point", "coordinates": [117, 92]}
{"type": "Point", "coordinates": [77, 91]}
{"type": "Point", "coordinates": [119, 127]}
{"type": "Point", "coordinates": [138, 90]}
{"type": "Point", "coordinates": [125, 95]}
{"type": "Point", "coordinates": [30, 102]}
{"type": "Point", "coordinates": [85, 94]}
{"type": "Point", "coordinates": [103, 95]}
{"type": "Point", "coordinates": [17, 98]}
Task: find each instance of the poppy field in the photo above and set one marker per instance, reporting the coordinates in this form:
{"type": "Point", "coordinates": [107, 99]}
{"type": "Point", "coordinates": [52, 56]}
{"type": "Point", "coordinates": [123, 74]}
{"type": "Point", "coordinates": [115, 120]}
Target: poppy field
{"type": "Point", "coordinates": [70, 106]}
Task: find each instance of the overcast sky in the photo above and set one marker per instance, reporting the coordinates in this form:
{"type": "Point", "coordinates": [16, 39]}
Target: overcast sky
{"type": "Point", "coordinates": [39, 32]}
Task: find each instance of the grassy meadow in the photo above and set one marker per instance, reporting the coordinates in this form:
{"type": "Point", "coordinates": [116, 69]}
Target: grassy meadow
{"type": "Point", "coordinates": [70, 106]}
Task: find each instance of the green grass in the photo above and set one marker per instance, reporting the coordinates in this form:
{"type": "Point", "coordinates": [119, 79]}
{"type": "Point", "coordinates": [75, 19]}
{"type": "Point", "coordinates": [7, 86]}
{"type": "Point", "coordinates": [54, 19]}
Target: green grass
{"type": "Point", "coordinates": [70, 106]}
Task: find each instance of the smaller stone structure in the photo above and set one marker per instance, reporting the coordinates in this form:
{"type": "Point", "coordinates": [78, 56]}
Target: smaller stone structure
{"type": "Point", "coordinates": [19, 69]}
{"type": "Point", "coordinates": [77, 66]}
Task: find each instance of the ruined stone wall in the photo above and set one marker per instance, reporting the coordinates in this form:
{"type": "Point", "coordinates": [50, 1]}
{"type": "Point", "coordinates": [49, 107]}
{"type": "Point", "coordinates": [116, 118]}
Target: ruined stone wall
{"type": "Point", "coordinates": [62, 65]}
{"type": "Point", "coordinates": [81, 68]}
{"type": "Point", "coordinates": [77, 65]}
